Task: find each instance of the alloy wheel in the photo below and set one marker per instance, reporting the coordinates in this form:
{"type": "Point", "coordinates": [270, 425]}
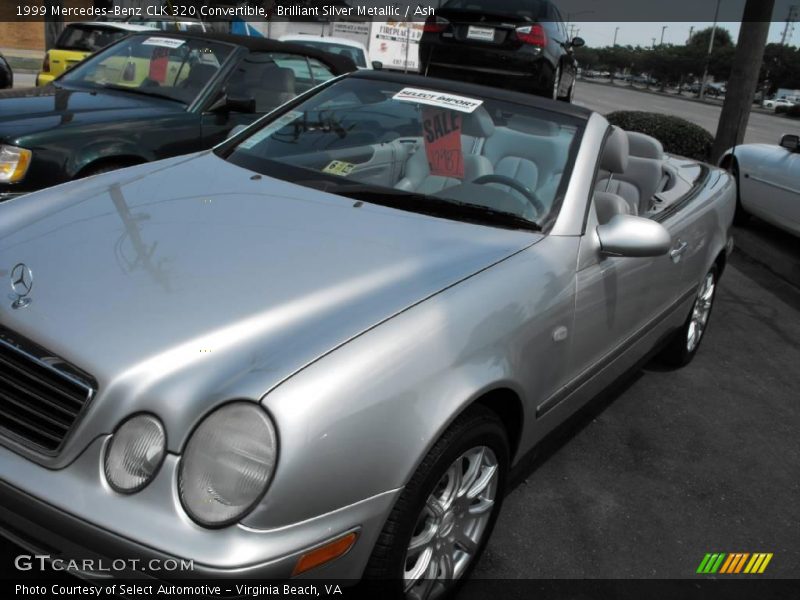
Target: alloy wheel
{"type": "Point", "coordinates": [451, 525]}
{"type": "Point", "coordinates": [700, 312]}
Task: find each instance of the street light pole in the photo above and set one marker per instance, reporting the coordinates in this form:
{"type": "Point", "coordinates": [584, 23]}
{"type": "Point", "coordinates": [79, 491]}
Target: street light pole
{"type": "Point", "coordinates": [663, 29]}
{"type": "Point", "coordinates": [710, 50]}
{"type": "Point", "coordinates": [616, 31]}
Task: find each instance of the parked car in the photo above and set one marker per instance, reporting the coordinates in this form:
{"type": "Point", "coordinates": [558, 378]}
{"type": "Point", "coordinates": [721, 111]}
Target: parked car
{"type": "Point", "coordinates": [355, 51]}
{"type": "Point", "coordinates": [79, 40]}
{"type": "Point", "coordinates": [517, 44]}
{"type": "Point", "coordinates": [6, 74]}
{"type": "Point", "coordinates": [768, 178]}
{"type": "Point", "coordinates": [317, 350]}
{"type": "Point", "coordinates": [774, 103]}
{"type": "Point", "coordinates": [150, 96]}
{"type": "Point", "coordinates": [184, 24]}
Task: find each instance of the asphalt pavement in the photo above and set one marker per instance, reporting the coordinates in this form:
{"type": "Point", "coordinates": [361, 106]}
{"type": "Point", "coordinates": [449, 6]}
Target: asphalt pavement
{"type": "Point", "coordinates": [763, 127]}
{"type": "Point", "coordinates": [23, 80]}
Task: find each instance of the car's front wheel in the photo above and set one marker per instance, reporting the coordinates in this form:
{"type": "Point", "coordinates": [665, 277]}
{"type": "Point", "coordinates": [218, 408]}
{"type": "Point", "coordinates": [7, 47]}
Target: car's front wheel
{"type": "Point", "coordinates": [556, 82]}
{"type": "Point", "coordinates": [445, 515]}
{"type": "Point", "coordinates": [741, 216]}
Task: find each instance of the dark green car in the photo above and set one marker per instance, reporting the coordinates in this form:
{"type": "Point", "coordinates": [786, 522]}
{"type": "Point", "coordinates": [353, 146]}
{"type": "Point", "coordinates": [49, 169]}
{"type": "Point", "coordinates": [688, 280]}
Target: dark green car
{"type": "Point", "coordinates": [147, 97]}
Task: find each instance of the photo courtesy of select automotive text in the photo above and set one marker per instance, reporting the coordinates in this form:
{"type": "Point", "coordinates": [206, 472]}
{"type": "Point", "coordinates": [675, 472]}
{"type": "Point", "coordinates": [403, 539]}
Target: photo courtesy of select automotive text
{"type": "Point", "coordinates": [400, 299]}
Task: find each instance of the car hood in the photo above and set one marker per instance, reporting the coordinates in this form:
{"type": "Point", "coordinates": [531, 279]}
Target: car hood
{"type": "Point", "coordinates": [192, 277]}
{"type": "Point", "coordinates": [30, 110]}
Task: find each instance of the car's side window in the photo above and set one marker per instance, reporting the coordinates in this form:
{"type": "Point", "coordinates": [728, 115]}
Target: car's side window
{"type": "Point", "coordinates": [260, 76]}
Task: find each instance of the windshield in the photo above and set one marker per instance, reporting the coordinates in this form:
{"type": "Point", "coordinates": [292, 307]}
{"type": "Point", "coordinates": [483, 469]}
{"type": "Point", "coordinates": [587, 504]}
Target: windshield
{"type": "Point", "coordinates": [156, 65]}
{"type": "Point", "coordinates": [88, 38]}
{"type": "Point", "coordinates": [351, 52]}
{"type": "Point", "coordinates": [421, 149]}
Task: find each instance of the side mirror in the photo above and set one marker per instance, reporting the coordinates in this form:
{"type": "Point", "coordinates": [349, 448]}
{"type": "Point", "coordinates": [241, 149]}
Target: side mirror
{"type": "Point", "coordinates": [791, 143]}
{"type": "Point", "coordinates": [626, 235]}
{"type": "Point", "coordinates": [577, 42]}
{"type": "Point", "coordinates": [227, 103]}
{"type": "Point", "coordinates": [377, 65]}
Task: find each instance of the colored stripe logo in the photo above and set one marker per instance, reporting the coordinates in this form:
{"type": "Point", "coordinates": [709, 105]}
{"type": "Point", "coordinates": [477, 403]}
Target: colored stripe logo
{"type": "Point", "coordinates": [734, 563]}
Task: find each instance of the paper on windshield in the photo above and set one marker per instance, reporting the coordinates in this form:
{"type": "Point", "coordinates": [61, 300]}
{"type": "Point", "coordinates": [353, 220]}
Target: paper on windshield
{"type": "Point", "coordinates": [339, 167]}
{"type": "Point", "coordinates": [163, 42]}
{"type": "Point", "coordinates": [441, 130]}
{"type": "Point", "coordinates": [438, 99]}
{"type": "Point", "coordinates": [268, 130]}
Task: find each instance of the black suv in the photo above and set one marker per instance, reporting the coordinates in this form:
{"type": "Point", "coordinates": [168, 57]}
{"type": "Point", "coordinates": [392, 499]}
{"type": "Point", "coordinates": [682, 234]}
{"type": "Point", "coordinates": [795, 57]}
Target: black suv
{"type": "Point", "coordinates": [517, 44]}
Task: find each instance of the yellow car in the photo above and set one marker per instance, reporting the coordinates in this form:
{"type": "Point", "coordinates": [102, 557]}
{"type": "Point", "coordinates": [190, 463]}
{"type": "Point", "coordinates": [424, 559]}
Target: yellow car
{"type": "Point", "coordinates": [79, 40]}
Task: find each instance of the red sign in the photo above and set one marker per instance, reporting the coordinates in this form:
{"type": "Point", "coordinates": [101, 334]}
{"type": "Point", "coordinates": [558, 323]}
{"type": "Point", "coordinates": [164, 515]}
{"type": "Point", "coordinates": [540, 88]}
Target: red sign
{"type": "Point", "coordinates": [158, 64]}
{"type": "Point", "coordinates": [441, 130]}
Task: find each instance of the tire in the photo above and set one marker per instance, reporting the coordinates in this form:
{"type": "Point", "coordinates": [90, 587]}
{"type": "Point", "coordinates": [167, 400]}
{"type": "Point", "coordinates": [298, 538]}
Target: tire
{"type": "Point", "coordinates": [556, 82]}
{"type": "Point", "coordinates": [682, 348]}
{"type": "Point", "coordinates": [477, 437]}
{"type": "Point", "coordinates": [741, 216]}
{"type": "Point", "coordinates": [570, 94]}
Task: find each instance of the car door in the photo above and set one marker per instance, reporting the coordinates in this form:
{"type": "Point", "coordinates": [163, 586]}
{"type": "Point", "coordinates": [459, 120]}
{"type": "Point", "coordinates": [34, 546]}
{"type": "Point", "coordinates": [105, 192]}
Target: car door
{"type": "Point", "coordinates": [269, 79]}
{"type": "Point", "coordinates": [777, 173]}
{"type": "Point", "coordinates": [614, 306]}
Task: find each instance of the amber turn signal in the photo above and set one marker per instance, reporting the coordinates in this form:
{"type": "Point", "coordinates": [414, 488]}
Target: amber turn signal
{"type": "Point", "coordinates": [324, 554]}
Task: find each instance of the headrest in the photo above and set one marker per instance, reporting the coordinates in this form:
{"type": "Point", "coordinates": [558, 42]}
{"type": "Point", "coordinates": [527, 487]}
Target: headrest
{"type": "Point", "coordinates": [201, 72]}
{"type": "Point", "coordinates": [532, 125]}
{"type": "Point", "coordinates": [615, 152]}
{"type": "Point", "coordinates": [645, 146]}
{"type": "Point", "coordinates": [477, 123]}
{"type": "Point", "coordinates": [608, 205]}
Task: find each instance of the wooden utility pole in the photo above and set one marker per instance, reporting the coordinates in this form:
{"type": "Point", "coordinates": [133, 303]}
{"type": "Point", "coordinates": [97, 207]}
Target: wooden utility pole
{"type": "Point", "coordinates": [744, 76]}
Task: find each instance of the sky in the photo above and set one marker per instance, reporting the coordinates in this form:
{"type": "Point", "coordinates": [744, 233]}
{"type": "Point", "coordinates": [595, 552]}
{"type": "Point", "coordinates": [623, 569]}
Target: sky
{"type": "Point", "coordinates": [599, 34]}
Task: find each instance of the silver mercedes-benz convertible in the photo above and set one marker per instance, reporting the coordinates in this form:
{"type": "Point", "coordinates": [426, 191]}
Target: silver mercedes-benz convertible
{"type": "Point", "coordinates": [317, 350]}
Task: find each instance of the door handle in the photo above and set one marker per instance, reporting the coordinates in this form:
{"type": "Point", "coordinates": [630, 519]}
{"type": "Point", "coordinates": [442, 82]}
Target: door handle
{"type": "Point", "coordinates": [676, 253]}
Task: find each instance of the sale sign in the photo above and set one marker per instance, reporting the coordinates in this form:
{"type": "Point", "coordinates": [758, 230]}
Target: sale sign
{"type": "Point", "coordinates": [158, 64]}
{"type": "Point", "coordinates": [441, 130]}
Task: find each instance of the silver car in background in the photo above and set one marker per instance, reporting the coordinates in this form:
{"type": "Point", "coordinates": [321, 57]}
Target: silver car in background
{"type": "Point", "coordinates": [317, 350]}
{"type": "Point", "coordinates": [768, 181]}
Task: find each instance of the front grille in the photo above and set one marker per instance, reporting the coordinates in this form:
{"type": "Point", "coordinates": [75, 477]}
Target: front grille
{"type": "Point", "coordinates": [41, 397]}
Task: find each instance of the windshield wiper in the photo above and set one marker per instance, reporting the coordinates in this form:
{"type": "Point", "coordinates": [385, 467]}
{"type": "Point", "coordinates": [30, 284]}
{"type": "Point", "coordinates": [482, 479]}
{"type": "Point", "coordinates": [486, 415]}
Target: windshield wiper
{"type": "Point", "coordinates": [431, 205]}
{"type": "Point", "coordinates": [136, 90]}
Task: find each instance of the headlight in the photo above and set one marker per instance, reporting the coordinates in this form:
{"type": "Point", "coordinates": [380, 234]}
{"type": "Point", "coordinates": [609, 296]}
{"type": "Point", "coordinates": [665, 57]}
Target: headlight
{"type": "Point", "coordinates": [227, 464]}
{"type": "Point", "coordinates": [14, 163]}
{"type": "Point", "coordinates": [135, 453]}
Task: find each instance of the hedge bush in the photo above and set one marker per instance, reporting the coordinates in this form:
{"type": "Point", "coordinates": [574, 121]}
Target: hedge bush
{"type": "Point", "coordinates": [678, 136]}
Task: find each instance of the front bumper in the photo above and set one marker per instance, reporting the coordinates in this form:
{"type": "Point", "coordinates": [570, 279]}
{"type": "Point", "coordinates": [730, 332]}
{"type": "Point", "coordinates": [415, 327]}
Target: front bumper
{"type": "Point", "coordinates": [72, 514]}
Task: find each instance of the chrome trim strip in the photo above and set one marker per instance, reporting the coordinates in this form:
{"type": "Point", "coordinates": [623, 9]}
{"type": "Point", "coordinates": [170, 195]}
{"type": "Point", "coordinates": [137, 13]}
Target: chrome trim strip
{"type": "Point", "coordinates": [775, 185]}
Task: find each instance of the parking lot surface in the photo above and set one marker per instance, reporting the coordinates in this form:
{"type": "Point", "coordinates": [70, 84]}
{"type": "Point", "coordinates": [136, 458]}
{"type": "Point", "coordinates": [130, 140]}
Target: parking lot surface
{"type": "Point", "coordinates": [763, 127]}
{"type": "Point", "coordinates": [677, 463]}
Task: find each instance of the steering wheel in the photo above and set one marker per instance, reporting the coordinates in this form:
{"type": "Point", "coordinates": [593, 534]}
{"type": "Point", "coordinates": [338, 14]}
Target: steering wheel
{"type": "Point", "coordinates": [528, 193]}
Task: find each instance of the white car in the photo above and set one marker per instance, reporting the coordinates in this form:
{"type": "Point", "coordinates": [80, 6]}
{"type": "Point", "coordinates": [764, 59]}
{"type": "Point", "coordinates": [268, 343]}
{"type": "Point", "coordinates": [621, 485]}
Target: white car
{"type": "Point", "coordinates": [769, 181]}
{"type": "Point", "coordinates": [776, 102]}
{"type": "Point", "coordinates": [356, 51]}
